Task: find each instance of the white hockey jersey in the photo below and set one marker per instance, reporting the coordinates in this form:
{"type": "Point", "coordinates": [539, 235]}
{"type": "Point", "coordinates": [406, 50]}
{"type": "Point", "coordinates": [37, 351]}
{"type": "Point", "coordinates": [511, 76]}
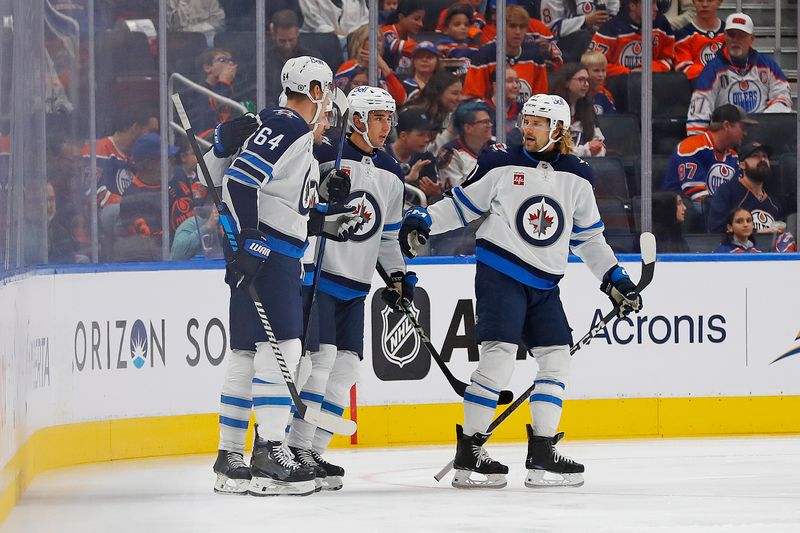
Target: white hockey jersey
{"type": "Point", "coordinates": [376, 191]}
{"type": "Point", "coordinates": [564, 17]}
{"type": "Point", "coordinates": [537, 211]}
{"type": "Point", "coordinates": [273, 181]}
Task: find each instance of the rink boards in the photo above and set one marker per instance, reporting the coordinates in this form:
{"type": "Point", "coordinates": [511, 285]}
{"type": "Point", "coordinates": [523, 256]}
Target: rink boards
{"type": "Point", "coordinates": [115, 362]}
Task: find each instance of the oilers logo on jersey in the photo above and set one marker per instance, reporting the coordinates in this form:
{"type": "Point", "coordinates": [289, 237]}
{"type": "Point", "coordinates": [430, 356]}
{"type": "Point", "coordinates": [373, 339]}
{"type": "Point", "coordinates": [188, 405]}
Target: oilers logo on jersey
{"type": "Point", "coordinates": [631, 55]}
{"type": "Point", "coordinates": [709, 51]}
{"type": "Point", "coordinates": [746, 94]}
{"type": "Point", "coordinates": [718, 174]}
{"type": "Point", "coordinates": [762, 219]}
{"type": "Point", "coordinates": [366, 205]}
{"type": "Point", "coordinates": [540, 220]}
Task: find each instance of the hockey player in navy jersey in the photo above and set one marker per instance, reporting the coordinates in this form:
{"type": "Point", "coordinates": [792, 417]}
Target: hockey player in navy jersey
{"type": "Point", "coordinates": [269, 190]}
{"type": "Point", "coordinates": [347, 269]}
{"type": "Point", "coordinates": [539, 205]}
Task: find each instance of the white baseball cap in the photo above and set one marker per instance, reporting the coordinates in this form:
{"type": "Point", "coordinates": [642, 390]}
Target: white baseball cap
{"type": "Point", "coordinates": [739, 21]}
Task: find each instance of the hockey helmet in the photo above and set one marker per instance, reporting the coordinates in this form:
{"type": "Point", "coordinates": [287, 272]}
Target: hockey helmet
{"type": "Point", "coordinates": [364, 99]}
{"type": "Point", "coordinates": [298, 75]}
{"type": "Point", "coordinates": [551, 107]}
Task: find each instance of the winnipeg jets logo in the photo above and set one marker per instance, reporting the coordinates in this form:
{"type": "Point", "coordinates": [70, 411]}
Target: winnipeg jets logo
{"type": "Point", "coordinates": [400, 342]}
{"type": "Point", "coordinates": [367, 207]}
{"type": "Point", "coordinates": [540, 220]}
{"type": "Point", "coordinates": [308, 194]}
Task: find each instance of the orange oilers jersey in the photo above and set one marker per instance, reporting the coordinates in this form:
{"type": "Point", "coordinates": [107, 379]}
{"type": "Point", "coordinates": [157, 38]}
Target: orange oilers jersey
{"type": "Point", "coordinates": [536, 29]}
{"type": "Point", "coordinates": [620, 40]}
{"type": "Point", "coordinates": [105, 149]}
{"type": "Point", "coordinates": [695, 47]}
{"type": "Point", "coordinates": [475, 27]}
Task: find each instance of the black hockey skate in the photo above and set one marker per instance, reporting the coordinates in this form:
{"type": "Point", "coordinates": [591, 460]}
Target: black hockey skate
{"type": "Point", "coordinates": [546, 467]}
{"type": "Point", "coordinates": [233, 474]}
{"type": "Point", "coordinates": [275, 471]}
{"type": "Point", "coordinates": [333, 473]}
{"type": "Point", "coordinates": [305, 458]}
{"type": "Point", "coordinates": [471, 457]}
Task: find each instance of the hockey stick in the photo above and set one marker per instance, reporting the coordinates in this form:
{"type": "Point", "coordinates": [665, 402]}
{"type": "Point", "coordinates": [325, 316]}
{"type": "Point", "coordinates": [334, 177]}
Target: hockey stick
{"type": "Point", "coordinates": [506, 396]}
{"type": "Point", "coordinates": [648, 247]}
{"type": "Point", "coordinates": [334, 424]}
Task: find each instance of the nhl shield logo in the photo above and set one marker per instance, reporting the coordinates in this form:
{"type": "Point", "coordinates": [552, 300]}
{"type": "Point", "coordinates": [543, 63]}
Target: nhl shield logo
{"type": "Point", "coordinates": [398, 353]}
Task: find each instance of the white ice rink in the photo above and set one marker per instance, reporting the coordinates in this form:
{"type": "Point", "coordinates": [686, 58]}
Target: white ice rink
{"type": "Point", "coordinates": [687, 485]}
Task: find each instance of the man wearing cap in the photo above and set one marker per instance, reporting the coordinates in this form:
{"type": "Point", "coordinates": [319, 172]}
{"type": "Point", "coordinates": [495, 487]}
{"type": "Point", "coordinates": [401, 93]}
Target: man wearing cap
{"type": "Point", "coordinates": [140, 206]}
{"type": "Point", "coordinates": [701, 163]}
{"type": "Point", "coordinates": [748, 192]}
{"type": "Point", "coordinates": [738, 75]}
{"type": "Point", "coordinates": [414, 130]}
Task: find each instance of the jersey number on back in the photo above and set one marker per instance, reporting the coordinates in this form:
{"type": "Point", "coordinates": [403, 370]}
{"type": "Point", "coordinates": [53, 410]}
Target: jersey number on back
{"type": "Point", "coordinates": [262, 138]}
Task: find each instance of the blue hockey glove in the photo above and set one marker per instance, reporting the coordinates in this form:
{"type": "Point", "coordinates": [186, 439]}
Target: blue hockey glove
{"type": "Point", "coordinates": [231, 135]}
{"type": "Point", "coordinates": [250, 254]}
{"type": "Point", "coordinates": [321, 221]}
{"type": "Point", "coordinates": [415, 230]}
{"type": "Point", "coordinates": [621, 290]}
{"type": "Point", "coordinates": [334, 187]}
{"type": "Point", "coordinates": [400, 292]}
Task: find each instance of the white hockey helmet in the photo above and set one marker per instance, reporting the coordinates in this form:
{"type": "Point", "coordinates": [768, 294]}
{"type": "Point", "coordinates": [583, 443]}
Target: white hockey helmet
{"type": "Point", "coordinates": [549, 106]}
{"type": "Point", "coordinates": [364, 99]}
{"type": "Point", "coordinates": [299, 74]}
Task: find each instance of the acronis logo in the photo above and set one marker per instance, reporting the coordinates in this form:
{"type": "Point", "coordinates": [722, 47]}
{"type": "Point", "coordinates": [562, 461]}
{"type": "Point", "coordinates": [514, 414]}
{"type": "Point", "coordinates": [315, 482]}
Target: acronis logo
{"type": "Point", "coordinates": [793, 351]}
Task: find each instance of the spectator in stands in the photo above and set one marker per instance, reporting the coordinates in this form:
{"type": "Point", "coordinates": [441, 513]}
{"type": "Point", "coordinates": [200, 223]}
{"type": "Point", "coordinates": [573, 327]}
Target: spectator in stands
{"type": "Point", "coordinates": [352, 72]}
{"type": "Point", "coordinates": [284, 45]}
{"type": "Point", "coordinates": [748, 192]}
{"type": "Point", "coordinates": [219, 70]}
{"type": "Point", "coordinates": [203, 16]}
{"type": "Point", "coordinates": [424, 62]}
{"type": "Point", "coordinates": [700, 164]}
{"type": "Point", "coordinates": [596, 64]}
{"type": "Point", "coordinates": [414, 130]}
{"type": "Point", "coordinates": [572, 85]}
{"type": "Point", "coordinates": [738, 75]}
{"type": "Point", "coordinates": [326, 16]}
{"type": "Point", "coordinates": [388, 8]}
{"type": "Point", "coordinates": [439, 100]}
{"type": "Point", "coordinates": [529, 58]}
{"type": "Point", "coordinates": [536, 28]}
{"type": "Point", "coordinates": [699, 41]}
{"type": "Point", "coordinates": [669, 213]}
{"type": "Point", "coordinates": [456, 44]}
{"type": "Point", "coordinates": [477, 19]}
{"type": "Point", "coordinates": [573, 23]}
{"type": "Point", "coordinates": [512, 106]}
{"type": "Point", "coordinates": [738, 229]}
{"type": "Point", "coordinates": [473, 123]}
{"type": "Point", "coordinates": [398, 44]}
{"type": "Point", "coordinates": [679, 13]}
{"type": "Point", "coordinates": [61, 247]}
{"type": "Point", "coordinates": [199, 233]}
{"type": "Point", "coordinates": [620, 40]}
{"type": "Point", "coordinates": [185, 190]}
{"type": "Point", "coordinates": [140, 226]}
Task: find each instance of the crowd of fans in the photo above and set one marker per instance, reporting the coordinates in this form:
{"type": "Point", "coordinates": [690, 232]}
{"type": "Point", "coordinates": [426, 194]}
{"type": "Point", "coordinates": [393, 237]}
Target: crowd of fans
{"type": "Point", "coordinates": [444, 83]}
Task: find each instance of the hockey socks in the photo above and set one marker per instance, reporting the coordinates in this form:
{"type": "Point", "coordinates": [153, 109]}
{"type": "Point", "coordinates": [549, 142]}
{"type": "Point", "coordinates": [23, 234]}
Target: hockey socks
{"type": "Point", "coordinates": [301, 434]}
{"type": "Point", "coordinates": [271, 400]}
{"type": "Point", "coordinates": [236, 401]}
{"type": "Point", "coordinates": [493, 373]}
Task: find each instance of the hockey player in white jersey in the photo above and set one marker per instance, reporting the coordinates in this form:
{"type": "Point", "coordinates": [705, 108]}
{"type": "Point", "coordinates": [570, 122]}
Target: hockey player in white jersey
{"type": "Point", "coordinates": [539, 205]}
{"type": "Point", "coordinates": [269, 191]}
{"type": "Point", "coordinates": [347, 269]}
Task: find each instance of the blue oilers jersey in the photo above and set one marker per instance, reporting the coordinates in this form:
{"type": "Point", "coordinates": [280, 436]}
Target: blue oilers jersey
{"type": "Point", "coordinates": [376, 192]}
{"type": "Point", "coordinates": [536, 212]}
{"type": "Point", "coordinates": [698, 170]}
{"type": "Point", "coordinates": [272, 183]}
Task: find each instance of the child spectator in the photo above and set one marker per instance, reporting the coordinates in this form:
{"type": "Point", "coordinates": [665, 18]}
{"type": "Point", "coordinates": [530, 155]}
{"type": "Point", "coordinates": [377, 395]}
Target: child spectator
{"type": "Point", "coordinates": [439, 100]}
{"type": "Point", "coordinates": [387, 7]}
{"type": "Point", "coordinates": [398, 44]}
{"type": "Point", "coordinates": [738, 75]}
{"type": "Point", "coordinates": [418, 165]}
{"type": "Point", "coordinates": [456, 42]}
{"type": "Point", "coordinates": [473, 123]}
{"type": "Point", "coordinates": [573, 86]}
{"type": "Point", "coordinates": [358, 68]}
{"type": "Point", "coordinates": [574, 23]}
{"type": "Point", "coordinates": [477, 20]}
{"type": "Point", "coordinates": [185, 190]}
{"type": "Point", "coordinates": [738, 230]}
{"type": "Point", "coordinates": [596, 64]}
{"type": "Point", "coordinates": [620, 40]}
{"type": "Point", "coordinates": [699, 41]}
{"type": "Point", "coordinates": [669, 213]}
{"type": "Point", "coordinates": [284, 45]}
{"type": "Point", "coordinates": [424, 63]}
{"type": "Point", "coordinates": [219, 70]}
{"type": "Point", "coordinates": [203, 16]}
{"type": "Point", "coordinates": [529, 58]}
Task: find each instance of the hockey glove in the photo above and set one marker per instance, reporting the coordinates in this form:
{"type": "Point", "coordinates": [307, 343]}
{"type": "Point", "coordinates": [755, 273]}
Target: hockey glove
{"type": "Point", "coordinates": [231, 135]}
{"type": "Point", "coordinates": [415, 230]}
{"type": "Point", "coordinates": [250, 254]}
{"type": "Point", "coordinates": [621, 290]}
{"type": "Point", "coordinates": [334, 187]}
{"type": "Point", "coordinates": [346, 223]}
{"type": "Point", "coordinates": [399, 294]}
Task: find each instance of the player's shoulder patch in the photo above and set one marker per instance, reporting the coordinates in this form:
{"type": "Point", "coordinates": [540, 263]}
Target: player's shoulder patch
{"type": "Point", "coordinates": [326, 150]}
{"type": "Point", "coordinates": [282, 120]}
{"type": "Point", "coordinates": [574, 165]}
{"type": "Point", "coordinates": [386, 162]}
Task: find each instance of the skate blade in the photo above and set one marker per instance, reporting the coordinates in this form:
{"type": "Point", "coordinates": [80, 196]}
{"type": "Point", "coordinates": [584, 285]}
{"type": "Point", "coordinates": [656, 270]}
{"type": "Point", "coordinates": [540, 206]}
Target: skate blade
{"type": "Point", "coordinates": [463, 480]}
{"type": "Point", "coordinates": [331, 483]}
{"type": "Point", "coordinates": [226, 485]}
{"type": "Point", "coordinates": [538, 479]}
{"type": "Point", "coordinates": [264, 486]}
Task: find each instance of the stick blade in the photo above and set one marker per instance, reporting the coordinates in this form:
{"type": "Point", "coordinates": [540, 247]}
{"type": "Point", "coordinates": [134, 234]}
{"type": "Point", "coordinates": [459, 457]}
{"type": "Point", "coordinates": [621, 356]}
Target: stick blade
{"type": "Point", "coordinates": [184, 118]}
{"type": "Point", "coordinates": [328, 422]}
{"type": "Point", "coordinates": [647, 244]}
{"type": "Point", "coordinates": [443, 472]}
